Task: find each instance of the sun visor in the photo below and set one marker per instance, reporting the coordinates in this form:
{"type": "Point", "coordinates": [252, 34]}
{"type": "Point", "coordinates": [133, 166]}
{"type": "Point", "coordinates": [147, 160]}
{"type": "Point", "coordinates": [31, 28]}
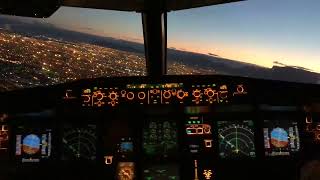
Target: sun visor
{"type": "Point", "coordinates": [29, 8]}
{"type": "Point", "coordinates": [144, 5]}
{"type": "Point", "coordinates": [187, 4]}
{"type": "Point", "coordinates": [45, 8]}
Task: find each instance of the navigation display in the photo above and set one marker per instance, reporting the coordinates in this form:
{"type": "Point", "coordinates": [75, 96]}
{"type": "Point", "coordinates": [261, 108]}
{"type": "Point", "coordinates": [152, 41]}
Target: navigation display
{"type": "Point", "coordinates": [160, 138]}
{"type": "Point", "coordinates": [161, 172]}
{"type": "Point", "coordinates": [33, 144]}
{"type": "Point", "coordinates": [79, 143]}
{"type": "Point", "coordinates": [236, 139]}
{"type": "Point", "coordinates": [281, 137]}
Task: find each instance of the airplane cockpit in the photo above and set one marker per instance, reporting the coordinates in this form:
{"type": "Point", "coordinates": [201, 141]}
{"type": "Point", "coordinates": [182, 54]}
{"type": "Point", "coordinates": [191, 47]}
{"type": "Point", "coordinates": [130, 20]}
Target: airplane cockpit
{"type": "Point", "coordinates": [156, 90]}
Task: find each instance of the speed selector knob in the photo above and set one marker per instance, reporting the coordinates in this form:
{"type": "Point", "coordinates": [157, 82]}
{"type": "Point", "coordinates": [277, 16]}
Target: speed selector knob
{"type": "Point", "coordinates": [167, 94]}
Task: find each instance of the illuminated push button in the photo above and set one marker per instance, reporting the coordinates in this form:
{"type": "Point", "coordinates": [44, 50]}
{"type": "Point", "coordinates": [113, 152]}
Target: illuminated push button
{"type": "Point", "coordinates": [309, 119]}
{"type": "Point", "coordinates": [167, 94]}
{"type": "Point", "coordinates": [317, 136]}
{"type": "Point", "coordinates": [240, 89]}
{"type": "Point", "coordinates": [154, 91]}
{"type": "Point", "coordinates": [130, 96]}
{"type": "Point", "coordinates": [141, 95]}
{"type": "Point", "coordinates": [108, 160]}
{"type": "Point", "coordinates": [208, 143]}
{"type": "Point", "coordinates": [123, 93]}
{"type": "Point", "coordinates": [223, 94]}
{"type": "Point", "coordinates": [207, 129]}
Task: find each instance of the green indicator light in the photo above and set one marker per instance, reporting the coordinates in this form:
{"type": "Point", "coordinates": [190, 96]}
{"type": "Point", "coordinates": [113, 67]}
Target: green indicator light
{"type": "Point", "coordinates": [189, 122]}
{"type": "Point", "coordinates": [193, 122]}
{"type": "Point", "coordinates": [198, 122]}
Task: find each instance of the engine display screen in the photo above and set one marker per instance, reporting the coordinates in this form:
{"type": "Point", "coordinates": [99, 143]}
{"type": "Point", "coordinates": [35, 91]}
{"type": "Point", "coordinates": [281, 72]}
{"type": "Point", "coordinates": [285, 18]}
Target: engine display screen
{"type": "Point", "coordinates": [160, 138]}
{"type": "Point", "coordinates": [33, 144]}
{"type": "Point", "coordinates": [236, 139]}
{"type": "Point", "coordinates": [281, 137]}
{"type": "Point", "coordinates": [161, 172]}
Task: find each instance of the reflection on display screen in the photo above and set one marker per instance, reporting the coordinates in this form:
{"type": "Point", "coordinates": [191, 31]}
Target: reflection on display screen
{"type": "Point", "coordinates": [160, 138]}
{"type": "Point", "coordinates": [161, 172]}
{"type": "Point", "coordinates": [33, 145]}
{"type": "Point", "coordinates": [125, 171]}
{"type": "Point", "coordinates": [79, 143]}
{"type": "Point", "coordinates": [281, 138]}
{"type": "Point", "coordinates": [236, 139]}
{"type": "Point", "coordinates": [126, 146]}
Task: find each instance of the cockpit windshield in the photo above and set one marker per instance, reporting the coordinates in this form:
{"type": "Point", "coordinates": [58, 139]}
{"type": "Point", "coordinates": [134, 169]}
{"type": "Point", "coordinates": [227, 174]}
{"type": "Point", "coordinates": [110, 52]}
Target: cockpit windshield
{"type": "Point", "coordinates": [73, 44]}
{"type": "Point", "coordinates": [267, 39]}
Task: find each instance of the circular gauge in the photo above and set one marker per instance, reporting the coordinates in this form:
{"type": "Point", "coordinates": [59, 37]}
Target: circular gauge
{"type": "Point", "coordinates": [79, 143]}
{"type": "Point", "coordinates": [236, 139]}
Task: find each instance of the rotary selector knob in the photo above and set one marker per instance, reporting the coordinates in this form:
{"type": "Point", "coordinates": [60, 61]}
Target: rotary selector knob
{"type": "Point", "coordinates": [130, 96]}
{"type": "Point", "coordinates": [181, 94]}
{"type": "Point", "coordinates": [141, 95]}
{"type": "Point", "coordinates": [210, 92]}
{"type": "Point", "coordinates": [86, 98]}
{"type": "Point", "coordinates": [196, 93]}
{"type": "Point", "coordinates": [99, 95]}
{"type": "Point", "coordinates": [167, 94]}
{"type": "Point", "coordinates": [113, 96]}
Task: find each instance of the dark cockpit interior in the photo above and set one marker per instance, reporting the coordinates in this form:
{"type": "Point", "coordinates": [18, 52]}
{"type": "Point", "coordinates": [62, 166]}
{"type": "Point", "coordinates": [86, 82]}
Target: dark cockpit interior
{"type": "Point", "coordinates": [157, 126]}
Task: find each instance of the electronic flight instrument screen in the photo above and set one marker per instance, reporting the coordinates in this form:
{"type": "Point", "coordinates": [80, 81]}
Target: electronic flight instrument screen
{"type": "Point", "coordinates": [79, 143]}
{"type": "Point", "coordinates": [236, 139]}
{"type": "Point", "coordinates": [4, 140]}
{"type": "Point", "coordinates": [160, 146]}
{"type": "Point", "coordinates": [160, 138]}
{"type": "Point", "coordinates": [33, 144]}
{"type": "Point", "coordinates": [281, 137]}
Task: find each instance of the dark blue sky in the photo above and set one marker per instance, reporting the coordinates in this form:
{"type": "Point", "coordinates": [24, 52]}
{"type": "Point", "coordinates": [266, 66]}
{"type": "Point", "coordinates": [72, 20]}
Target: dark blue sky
{"type": "Point", "coordinates": [255, 31]}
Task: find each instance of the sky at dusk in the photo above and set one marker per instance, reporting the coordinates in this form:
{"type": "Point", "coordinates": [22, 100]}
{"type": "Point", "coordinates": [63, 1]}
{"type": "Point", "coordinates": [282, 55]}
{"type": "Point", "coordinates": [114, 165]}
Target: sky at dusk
{"type": "Point", "coordinates": [254, 31]}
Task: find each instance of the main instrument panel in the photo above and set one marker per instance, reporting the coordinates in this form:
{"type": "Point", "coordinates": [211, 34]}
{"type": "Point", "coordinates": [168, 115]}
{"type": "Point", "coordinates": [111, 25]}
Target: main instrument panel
{"type": "Point", "coordinates": [214, 129]}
